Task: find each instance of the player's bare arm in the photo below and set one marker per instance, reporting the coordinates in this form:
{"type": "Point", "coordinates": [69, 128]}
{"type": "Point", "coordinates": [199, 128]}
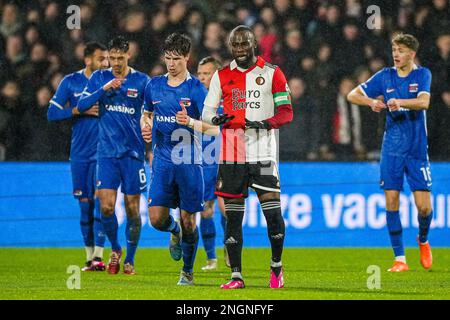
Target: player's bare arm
{"type": "Point", "coordinates": [198, 125]}
{"type": "Point", "coordinates": [356, 96]}
{"type": "Point", "coordinates": [422, 102]}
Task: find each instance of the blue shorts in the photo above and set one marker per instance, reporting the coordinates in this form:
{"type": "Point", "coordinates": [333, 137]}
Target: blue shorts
{"type": "Point", "coordinates": [394, 168]}
{"type": "Point", "coordinates": [126, 171]}
{"type": "Point", "coordinates": [174, 186]}
{"type": "Point", "coordinates": [83, 179]}
{"type": "Point", "coordinates": [210, 178]}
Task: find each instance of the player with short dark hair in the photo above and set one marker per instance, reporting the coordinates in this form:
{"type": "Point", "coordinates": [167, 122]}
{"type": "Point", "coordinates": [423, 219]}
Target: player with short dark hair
{"type": "Point", "coordinates": [119, 92]}
{"type": "Point", "coordinates": [406, 90]}
{"type": "Point", "coordinates": [83, 149]}
{"type": "Point", "coordinates": [177, 174]}
{"type": "Point", "coordinates": [256, 101]}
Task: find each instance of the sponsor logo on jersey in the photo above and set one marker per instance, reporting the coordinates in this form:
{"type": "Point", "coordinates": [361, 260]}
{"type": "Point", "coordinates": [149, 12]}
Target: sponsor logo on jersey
{"type": "Point", "coordinates": [78, 193]}
{"type": "Point", "coordinates": [123, 109]}
{"type": "Point", "coordinates": [389, 90]}
{"type": "Point", "coordinates": [413, 87]}
{"type": "Point", "coordinates": [76, 95]}
{"type": "Point", "coordinates": [169, 119]}
{"type": "Point", "coordinates": [99, 183]}
{"type": "Point", "coordinates": [156, 102]}
{"type": "Point", "coordinates": [132, 93]}
{"type": "Point", "coordinates": [239, 96]}
{"type": "Point", "coordinates": [185, 102]}
{"type": "Point", "coordinates": [149, 201]}
{"type": "Point", "coordinates": [260, 80]}
{"type": "Point", "coordinates": [381, 183]}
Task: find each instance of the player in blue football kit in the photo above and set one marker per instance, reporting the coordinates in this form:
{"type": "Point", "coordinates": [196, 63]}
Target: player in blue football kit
{"type": "Point", "coordinates": [205, 70]}
{"type": "Point", "coordinates": [405, 89]}
{"type": "Point", "coordinates": [119, 92]}
{"type": "Point", "coordinates": [177, 174]}
{"type": "Point", "coordinates": [83, 150]}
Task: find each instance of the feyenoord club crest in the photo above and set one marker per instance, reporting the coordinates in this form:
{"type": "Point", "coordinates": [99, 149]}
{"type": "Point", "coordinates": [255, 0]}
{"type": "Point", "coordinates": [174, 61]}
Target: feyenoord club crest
{"type": "Point", "coordinates": [132, 93]}
{"type": "Point", "coordinates": [260, 80]}
{"type": "Point", "coordinates": [185, 102]}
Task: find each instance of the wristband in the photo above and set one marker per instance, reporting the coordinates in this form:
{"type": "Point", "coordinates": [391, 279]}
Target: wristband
{"type": "Point", "coordinates": [191, 123]}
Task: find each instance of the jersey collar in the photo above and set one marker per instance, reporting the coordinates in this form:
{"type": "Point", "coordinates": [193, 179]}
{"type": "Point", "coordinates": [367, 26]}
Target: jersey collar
{"type": "Point", "coordinates": [188, 76]}
{"type": "Point", "coordinates": [259, 63]}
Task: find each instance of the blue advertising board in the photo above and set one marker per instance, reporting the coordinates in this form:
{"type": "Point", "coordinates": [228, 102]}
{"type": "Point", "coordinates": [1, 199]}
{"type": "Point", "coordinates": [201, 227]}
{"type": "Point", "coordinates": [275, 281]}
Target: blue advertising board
{"type": "Point", "coordinates": [323, 204]}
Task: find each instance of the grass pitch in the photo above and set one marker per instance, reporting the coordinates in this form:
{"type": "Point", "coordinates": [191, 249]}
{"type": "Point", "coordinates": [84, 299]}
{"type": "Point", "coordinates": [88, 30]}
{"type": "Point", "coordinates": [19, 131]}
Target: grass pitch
{"type": "Point", "coordinates": [309, 274]}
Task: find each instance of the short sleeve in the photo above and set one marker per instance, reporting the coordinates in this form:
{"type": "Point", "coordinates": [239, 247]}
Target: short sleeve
{"type": "Point", "coordinates": [373, 87]}
{"type": "Point", "coordinates": [62, 94]}
{"type": "Point", "coordinates": [280, 88]}
{"type": "Point", "coordinates": [424, 81]}
{"type": "Point", "coordinates": [148, 104]}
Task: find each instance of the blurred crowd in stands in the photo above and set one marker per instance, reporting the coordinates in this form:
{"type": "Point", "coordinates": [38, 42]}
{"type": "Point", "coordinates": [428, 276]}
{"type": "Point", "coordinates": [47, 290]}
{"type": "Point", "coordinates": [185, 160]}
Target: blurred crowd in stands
{"type": "Point", "coordinates": [325, 48]}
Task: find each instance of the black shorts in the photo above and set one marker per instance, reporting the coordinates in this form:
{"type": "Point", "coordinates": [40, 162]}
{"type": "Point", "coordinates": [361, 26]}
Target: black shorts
{"type": "Point", "coordinates": [234, 179]}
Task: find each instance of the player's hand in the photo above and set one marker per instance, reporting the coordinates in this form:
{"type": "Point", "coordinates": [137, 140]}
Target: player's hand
{"type": "Point", "coordinates": [146, 128]}
{"type": "Point", "coordinates": [377, 105]}
{"type": "Point", "coordinates": [146, 132]}
{"type": "Point", "coordinates": [221, 119]}
{"type": "Point", "coordinates": [182, 116]}
{"type": "Point", "coordinates": [92, 111]}
{"type": "Point", "coordinates": [257, 124]}
{"type": "Point", "coordinates": [393, 105]}
{"type": "Point", "coordinates": [113, 84]}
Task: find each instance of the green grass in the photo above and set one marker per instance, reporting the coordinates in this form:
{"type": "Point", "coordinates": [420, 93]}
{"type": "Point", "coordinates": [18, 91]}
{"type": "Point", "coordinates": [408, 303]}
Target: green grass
{"type": "Point", "coordinates": [309, 274]}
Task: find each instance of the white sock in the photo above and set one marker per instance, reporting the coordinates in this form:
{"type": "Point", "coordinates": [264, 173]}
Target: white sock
{"type": "Point", "coordinates": [89, 253]}
{"type": "Point", "coordinates": [98, 252]}
{"type": "Point", "coordinates": [401, 259]}
{"type": "Point", "coordinates": [235, 275]}
{"type": "Point", "coordinates": [275, 264]}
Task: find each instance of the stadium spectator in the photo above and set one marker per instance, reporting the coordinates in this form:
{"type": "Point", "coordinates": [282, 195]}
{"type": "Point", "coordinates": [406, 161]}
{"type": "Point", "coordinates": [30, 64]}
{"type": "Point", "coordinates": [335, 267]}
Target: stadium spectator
{"type": "Point", "coordinates": [347, 134]}
{"type": "Point", "coordinates": [305, 124]}
{"type": "Point", "coordinates": [11, 21]}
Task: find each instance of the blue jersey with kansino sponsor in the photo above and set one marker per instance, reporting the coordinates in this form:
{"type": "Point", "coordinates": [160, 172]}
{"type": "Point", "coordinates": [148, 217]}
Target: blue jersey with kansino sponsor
{"type": "Point", "coordinates": [83, 147]}
{"type": "Point", "coordinates": [170, 141]}
{"type": "Point", "coordinates": [119, 113]}
{"type": "Point", "coordinates": [406, 131]}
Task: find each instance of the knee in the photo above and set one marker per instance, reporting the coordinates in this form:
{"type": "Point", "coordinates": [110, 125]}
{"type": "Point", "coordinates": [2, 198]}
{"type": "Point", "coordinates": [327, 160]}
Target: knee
{"type": "Point", "coordinates": [392, 204]}
{"type": "Point", "coordinates": [107, 209]}
{"type": "Point", "coordinates": [132, 210]}
{"type": "Point", "coordinates": [269, 196]}
{"type": "Point", "coordinates": [424, 209]}
{"type": "Point", "coordinates": [157, 221]}
{"type": "Point", "coordinates": [208, 212]}
{"type": "Point", "coordinates": [188, 225]}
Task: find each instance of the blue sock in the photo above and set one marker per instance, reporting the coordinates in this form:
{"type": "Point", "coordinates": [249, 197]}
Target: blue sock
{"type": "Point", "coordinates": [110, 226]}
{"type": "Point", "coordinates": [395, 232]}
{"type": "Point", "coordinates": [170, 225]}
{"type": "Point", "coordinates": [132, 233]}
{"type": "Point", "coordinates": [86, 223]}
{"type": "Point", "coordinates": [99, 233]}
{"type": "Point", "coordinates": [424, 226]}
{"type": "Point", "coordinates": [208, 231]}
{"type": "Point", "coordinates": [189, 245]}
